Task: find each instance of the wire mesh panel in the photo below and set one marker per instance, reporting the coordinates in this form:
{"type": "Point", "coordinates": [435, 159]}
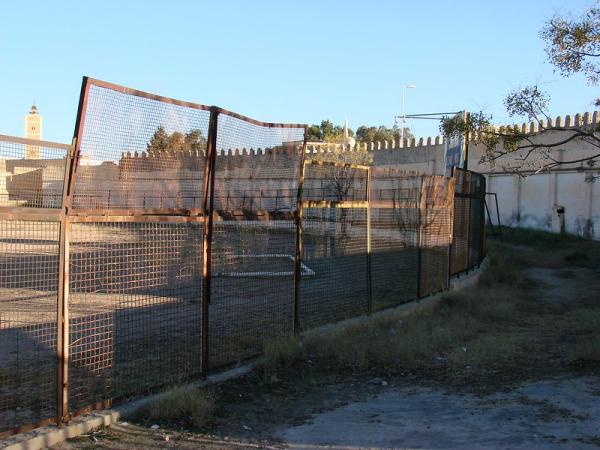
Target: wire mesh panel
{"type": "Point", "coordinates": [459, 251]}
{"type": "Point", "coordinates": [253, 242]}
{"type": "Point", "coordinates": [334, 243]}
{"type": "Point", "coordinates": [32, 172]}
{"type": "Point", "coordinates": [436, 213]}
{"type": "Point", "coordinates": [134, 308]}
{"type": "Point", "coordinates": [468, 245]}
{"type": "Point", "coordinates": [252, 287]}
{"type": "Point", "coordinates": [138, 150]}
{"type": "Point", "coordinates": [334, 182]}
{"type": "Point", "coordinates": [28, 322]}
{"type": "Point", "coordinates": [476, 219]}
{"type": "Point", "coordinates": [257, 168]}
{"type": "Point", "coordinates": [334, 247]}
{"type": "Point", "coordinates": [394, 236]}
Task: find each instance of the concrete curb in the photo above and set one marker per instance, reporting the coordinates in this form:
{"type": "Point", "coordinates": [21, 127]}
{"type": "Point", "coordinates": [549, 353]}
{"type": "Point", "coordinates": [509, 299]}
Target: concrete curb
{"type": "Point", "coordinates": [52, 435]}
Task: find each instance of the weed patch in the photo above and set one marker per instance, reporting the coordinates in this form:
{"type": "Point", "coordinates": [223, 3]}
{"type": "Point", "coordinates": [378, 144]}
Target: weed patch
{"type": "Point", "coordinates": [188, 406]}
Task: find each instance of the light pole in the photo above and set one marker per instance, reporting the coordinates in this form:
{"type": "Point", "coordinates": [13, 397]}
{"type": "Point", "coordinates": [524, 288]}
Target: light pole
{"type": "Point", "coordinates": [404, 88]}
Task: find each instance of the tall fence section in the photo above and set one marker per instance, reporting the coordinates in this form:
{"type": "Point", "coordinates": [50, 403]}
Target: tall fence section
{"type": "Point", "coordinates": [172, 239]}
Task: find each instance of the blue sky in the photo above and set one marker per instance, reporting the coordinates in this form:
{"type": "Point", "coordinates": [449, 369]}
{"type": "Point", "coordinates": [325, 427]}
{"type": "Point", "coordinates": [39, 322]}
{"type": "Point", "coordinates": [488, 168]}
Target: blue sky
{"type": "Point", "coordinates": [282, 61]}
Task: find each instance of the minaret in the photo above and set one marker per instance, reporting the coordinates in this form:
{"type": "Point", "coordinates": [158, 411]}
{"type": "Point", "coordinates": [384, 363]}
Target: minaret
{"type": "Point", "coordinates": [348, 141]}
{"type": "Point", "coordinates": [33, 130]}
{"type": "Point", "coordinates": [345, 130]}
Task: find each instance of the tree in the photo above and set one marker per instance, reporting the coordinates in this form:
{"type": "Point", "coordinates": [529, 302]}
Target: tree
{"type": "Point", "coordinates": [159, 141]}
{"type": "Point", "coordinates": [572, 46]}
{"type": "Point", "coordinates": [327, 132]}
{"type": "Point", "coordinates": [193, 141]}
{"type": "Point", "coordinates": [381, 133]}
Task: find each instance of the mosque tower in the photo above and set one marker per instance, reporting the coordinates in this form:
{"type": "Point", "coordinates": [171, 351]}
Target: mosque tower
{"type": "Point", "coordinates": [33, 130]}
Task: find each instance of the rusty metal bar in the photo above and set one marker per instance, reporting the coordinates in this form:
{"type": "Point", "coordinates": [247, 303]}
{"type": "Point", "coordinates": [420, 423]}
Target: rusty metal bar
{"type": "Point", "coordinates": [63, 323]}
{"type": "Point", "coordinates": [334, 204]}
{"type": "Point", "coordinates": [137, 211]}
{"type": "Point", "coordinates": [369, 271]}
{"type": "Point", "coordinates": [482, 203]}
{"type": "Point", "coordinates": [332, 163]}
{"type": "Point", "coordinates": [137, 93]}
{"type": "Point", "coordinates": [207, 206]}
{"type": "Point", "coordinates": [256, 122]}
{"type": "Point", "coordinates": [172, 101]}
{"type": "Point", "coordinates": [62, 352]}
{"type": "Point", "coordinates": [137, 219]}
{"type": "Point", "coordinates": [25, 141]}
{"type": "Point", "coordinates": [298, 243]}
{"type": "Point", "coordinates": [467, 137]}
{"type": "Point", "coordinates": [419, 239]}
{"type": "Point", "coordinates": [453, 209]}
{"type": "Point", "coordinates": [42, 214]}
{"type": "Point", "coordinates": [76, 150]}
{"type": "Point", "coordinates": [469, 215]}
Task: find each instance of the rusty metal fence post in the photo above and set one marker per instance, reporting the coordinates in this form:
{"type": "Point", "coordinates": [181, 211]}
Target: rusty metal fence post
{"type": "Point", "coordinates": [419, 236]}
{"type": "Point", "coordinates": [369, 270]}
{"type": "Point", "coordinates": [453, 175]}
{"type": "Point", "coordinates": [208, 208]}
{"type": "Point", "coordinates": [62, 338]}
{"type": "Point", "coordinates": [482, 219]}
{"type": "Point", "coordinates": [298, 243]}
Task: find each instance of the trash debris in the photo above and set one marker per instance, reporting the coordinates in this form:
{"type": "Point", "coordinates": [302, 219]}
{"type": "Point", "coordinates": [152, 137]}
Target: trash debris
{"type": "Point", "coordinates": [155, 427]}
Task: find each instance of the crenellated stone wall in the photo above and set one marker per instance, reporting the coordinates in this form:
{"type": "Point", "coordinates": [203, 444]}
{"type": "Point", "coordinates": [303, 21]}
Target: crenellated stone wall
{"type": "Point", "coordinates": [175, 177]}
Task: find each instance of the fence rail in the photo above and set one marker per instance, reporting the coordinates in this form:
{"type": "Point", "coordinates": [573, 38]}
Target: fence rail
{"type": "Point", "coordinates": [148, 253]}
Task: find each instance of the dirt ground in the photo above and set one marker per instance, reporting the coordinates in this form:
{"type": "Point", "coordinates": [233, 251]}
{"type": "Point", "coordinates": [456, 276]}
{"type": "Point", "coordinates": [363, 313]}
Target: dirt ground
{"type": "Point", "coordinates": [550, 405]}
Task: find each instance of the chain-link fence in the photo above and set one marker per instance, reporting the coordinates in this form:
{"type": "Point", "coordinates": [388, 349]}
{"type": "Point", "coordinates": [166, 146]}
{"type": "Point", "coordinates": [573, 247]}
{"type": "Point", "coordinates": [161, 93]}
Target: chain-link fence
{"type": "Point", "coordinates": [172, 239]}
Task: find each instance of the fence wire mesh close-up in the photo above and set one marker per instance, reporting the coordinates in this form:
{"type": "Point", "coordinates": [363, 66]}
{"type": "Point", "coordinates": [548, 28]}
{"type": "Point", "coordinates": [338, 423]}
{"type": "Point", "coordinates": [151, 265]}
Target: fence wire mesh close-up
{"type": "Point", "coordinates": [468, 239]}
{"type": "Point", "coordinates": [334, 250]}
{"type": "Point", "coordinates": [34, 173]}
{"type": "Point", "coordinates": [331, 182]}
{"type": "Point", "coordinates": [255, 190]}
{"type": "Point", "coordinates": [171, 239]}
{"type": "Point", "coordinates": [139, 151]}
{"type": "Point", "coordinates": [394, 236]}
{"type": "Point", "coordinates": [134, 308]}
{"type": "Point", "coordinates": [252, 298]}
{"type": "Point", "coordinates": [28, 321]}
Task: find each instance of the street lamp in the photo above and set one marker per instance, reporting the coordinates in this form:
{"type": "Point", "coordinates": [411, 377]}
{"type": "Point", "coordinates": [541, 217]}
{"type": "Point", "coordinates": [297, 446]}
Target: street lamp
{"type": "Point", "coordinates": [404, 88]}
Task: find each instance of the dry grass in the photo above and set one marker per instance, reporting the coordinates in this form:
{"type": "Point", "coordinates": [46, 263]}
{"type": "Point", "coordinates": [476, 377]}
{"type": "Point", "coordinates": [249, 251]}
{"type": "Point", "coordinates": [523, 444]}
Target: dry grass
{"type": "Point", "coordinates": [588, 350]}
{"type": "Point", "coordinates": [492, 327]}
{"type": "Point", "coordinates": [556, 250]}
{"type": "Point", "coordinates": [585, 324]}
{"type": "Point", "coordinates": [189, 406]}
{"type": "Point", "coordinates": [396, 343]}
